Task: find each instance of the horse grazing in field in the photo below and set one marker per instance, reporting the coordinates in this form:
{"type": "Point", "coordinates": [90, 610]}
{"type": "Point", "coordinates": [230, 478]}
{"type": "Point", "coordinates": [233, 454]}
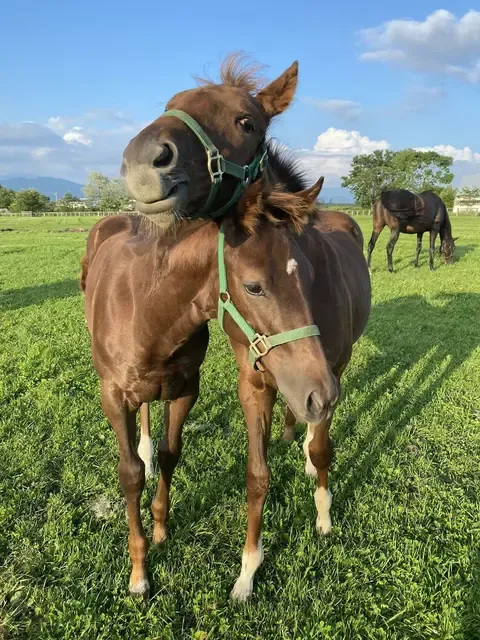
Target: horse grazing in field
{"type": "Point", "coordinates": [407, 212]}
{"type": "Point", "coordinates": [289, 285]}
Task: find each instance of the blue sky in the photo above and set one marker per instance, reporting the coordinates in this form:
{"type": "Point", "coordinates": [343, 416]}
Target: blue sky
{"type": "Point", "coordinates": [80, 79]}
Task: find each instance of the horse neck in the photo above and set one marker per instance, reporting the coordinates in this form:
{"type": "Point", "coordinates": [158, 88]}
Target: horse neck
{"type": "Point", "coordinates": [446, 227]}
{"type": "Point", "coordinates": [187, 282]}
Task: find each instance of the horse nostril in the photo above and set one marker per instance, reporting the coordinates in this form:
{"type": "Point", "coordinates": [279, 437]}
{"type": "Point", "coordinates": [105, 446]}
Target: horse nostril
{"type": "Point", "coordinates": [314, 403]}
{"type": "Point", "coordinates": [164, 158]}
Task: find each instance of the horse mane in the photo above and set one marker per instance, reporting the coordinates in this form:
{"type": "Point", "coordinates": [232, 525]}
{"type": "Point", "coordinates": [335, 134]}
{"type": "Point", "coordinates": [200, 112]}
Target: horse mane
{"type": "Point", "coordinates": [266, 202]}
{"type": "Point", "coordinates": [284, 168]}
{"type": "Point", "coordinates": [238, 70]}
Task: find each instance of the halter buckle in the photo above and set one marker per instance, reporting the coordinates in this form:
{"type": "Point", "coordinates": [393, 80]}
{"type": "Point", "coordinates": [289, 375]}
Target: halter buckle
{"type": "Point", "coordinates": [216, 165]}
{"type": "Point", "coordinates": [260, 346]}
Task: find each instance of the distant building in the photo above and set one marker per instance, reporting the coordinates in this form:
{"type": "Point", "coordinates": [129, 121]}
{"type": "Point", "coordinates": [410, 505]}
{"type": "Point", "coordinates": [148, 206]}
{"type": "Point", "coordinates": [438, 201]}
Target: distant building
{"type": "Point", "coordinates": [460, 204]}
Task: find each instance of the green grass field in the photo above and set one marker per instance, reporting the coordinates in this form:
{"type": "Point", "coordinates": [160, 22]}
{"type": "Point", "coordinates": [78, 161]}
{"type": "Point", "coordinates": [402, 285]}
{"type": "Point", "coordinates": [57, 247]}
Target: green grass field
{"type": "Point", "coordinates": [403, 559]}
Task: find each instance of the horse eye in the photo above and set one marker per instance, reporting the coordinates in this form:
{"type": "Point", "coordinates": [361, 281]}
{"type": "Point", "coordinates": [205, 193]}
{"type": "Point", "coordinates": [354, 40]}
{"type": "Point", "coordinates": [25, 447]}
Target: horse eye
{"type": "Point", "coordinates": [254, 289]}
{"type": "Point", "coordinates": [248, 124]}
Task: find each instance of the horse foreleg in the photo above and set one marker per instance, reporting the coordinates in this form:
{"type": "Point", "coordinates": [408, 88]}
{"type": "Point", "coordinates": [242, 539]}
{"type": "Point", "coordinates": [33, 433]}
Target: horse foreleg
{"type": "Point", "coordinates": [371, 245]}
{"type": "Point", "coordinates": [131, 473]}
{"type": "Point", "coordinates": [433, 237]}
{"type": "Point", "coordinates": [390, 247]}
{"type": "Point", "coordinates": [169, 450]}
{"type": "Point", "coordinates": [419, 248]}
{"type": "Point", "coordinates": [257, 400]}
{"type": "Point", "coordinates": [290, 422]}
{"type": "Point", "coordinates": [319, 453]}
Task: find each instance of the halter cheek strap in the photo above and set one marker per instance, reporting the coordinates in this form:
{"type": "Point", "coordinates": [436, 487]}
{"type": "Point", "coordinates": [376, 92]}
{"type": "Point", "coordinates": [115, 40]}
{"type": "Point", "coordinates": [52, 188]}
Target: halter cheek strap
{"type": "Point", "coordinates": [260, 344]}
{"type": "Point", "coordinates": [218, 166]}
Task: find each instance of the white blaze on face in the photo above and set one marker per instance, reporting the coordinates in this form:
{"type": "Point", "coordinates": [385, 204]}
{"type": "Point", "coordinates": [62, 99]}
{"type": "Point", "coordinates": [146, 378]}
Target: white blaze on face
{"type": "Point", "coordinates": [291, 266]}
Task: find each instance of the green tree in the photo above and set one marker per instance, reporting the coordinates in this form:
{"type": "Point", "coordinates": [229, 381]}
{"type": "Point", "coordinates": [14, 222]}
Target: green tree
{"type": "Point", "coordinates": [29, 200]}
{"type": "Point", "coordinates": [369, 175]}
{"type": "Point", "coordinates": [6, 197]}
{"type": "Point", "coordinates": [105, 194]}
{"type": "Point", "coordinates": [372, 173]}
{"type": "Point", "coordinates": [421, 170]}
{"type": "Point", "coordinates": [66, 203]}
{"type": "Point", "coordinates": [448, 196]}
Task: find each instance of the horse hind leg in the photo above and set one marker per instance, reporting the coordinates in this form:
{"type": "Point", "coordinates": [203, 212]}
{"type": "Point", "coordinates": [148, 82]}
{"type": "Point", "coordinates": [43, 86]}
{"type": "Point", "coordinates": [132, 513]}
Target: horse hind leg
{"type": "Point", "coordinates": [390, 247]}
{"type": "Point", "coordinates": [145, 446]}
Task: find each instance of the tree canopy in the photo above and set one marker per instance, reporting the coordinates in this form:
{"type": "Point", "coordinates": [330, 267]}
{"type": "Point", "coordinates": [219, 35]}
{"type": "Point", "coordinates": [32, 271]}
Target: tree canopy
{"type": "Point", "coordinates": [29, 200]}
{"type": "Point", "coordinates": [105, 194]}
{"type": "Point", "coordinates": [372, 173]}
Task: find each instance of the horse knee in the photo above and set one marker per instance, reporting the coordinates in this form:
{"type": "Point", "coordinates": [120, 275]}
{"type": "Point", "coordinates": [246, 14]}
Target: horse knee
{"type": "Point", "coordinates": [131, 473]}
{"type": "Point", "coordinates": [321, 457]}
{"type": "Point", "coordinates": [257, 482]}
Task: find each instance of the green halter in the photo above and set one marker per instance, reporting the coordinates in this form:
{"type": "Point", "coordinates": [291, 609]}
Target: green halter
{"type": "Point", "coordinates": [260, 345]}
{"type": "Point", "coordinates": [217, 166]}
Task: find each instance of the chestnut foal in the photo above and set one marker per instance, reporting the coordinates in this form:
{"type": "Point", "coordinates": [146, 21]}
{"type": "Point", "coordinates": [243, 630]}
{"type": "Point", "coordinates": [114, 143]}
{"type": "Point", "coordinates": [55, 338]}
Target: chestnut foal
{"type": "Point", "coordinates": [291, 289]}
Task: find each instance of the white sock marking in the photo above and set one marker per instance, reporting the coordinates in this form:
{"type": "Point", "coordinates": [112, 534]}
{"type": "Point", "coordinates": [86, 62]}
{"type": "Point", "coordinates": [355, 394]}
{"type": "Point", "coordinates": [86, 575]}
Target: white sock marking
{"type": "Point", "coordinates": [323, 502]}
{"type": "Point", "coordinates": [145, 451]}
{"type": "Point", "coordinates": [250, 562]}
{"type": "Point", "coordinates": [141, 587]}
{"type": "Point", "coordinates": [291, 266]}
{"type": "Point", "coordinates": [310, 469]}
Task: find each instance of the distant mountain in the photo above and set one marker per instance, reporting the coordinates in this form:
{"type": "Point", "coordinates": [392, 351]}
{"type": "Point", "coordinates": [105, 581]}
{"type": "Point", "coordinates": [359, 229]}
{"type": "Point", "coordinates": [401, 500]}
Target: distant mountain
{"type": "Point", "coordinates": [47, 186]}
{"type": "Point", "coordinates": [50, 186]}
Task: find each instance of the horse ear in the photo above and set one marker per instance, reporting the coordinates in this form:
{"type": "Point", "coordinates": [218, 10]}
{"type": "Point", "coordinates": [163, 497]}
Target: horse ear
{"type": "Point", "coordinates": [310, 195]}
{"type": "Point", "coordinates": [455, 239]}
{"type": "Point", "coordinates": [277, 95]}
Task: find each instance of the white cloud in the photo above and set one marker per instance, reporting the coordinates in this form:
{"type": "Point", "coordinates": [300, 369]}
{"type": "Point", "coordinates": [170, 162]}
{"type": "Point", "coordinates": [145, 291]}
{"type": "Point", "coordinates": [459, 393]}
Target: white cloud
{"type": "Point", "coordinates": [458, 155]}
{"type": "Point", "coordinates": [333, 152]}
{"type": "Point", "coordinates": [66, 146]}
{"type": "Point", "coordinates": [343, 142]}
{"type": "Point", "coordinates": [346, 109]}
{"type": "Point", "coordinates": [76, 135]}
{"type": "Point", "coordinates": [441, 43]}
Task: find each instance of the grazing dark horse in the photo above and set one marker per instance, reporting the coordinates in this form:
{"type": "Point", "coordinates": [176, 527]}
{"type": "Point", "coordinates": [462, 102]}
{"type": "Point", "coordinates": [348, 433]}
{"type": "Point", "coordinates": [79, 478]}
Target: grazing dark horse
{"type": "Point", "coordinates": [294, 298]}
{"type": "Point", "coordinates": [407, 212]}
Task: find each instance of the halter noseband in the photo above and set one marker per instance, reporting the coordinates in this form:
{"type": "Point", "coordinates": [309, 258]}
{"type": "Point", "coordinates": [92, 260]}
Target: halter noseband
{"type": "Point", "coordinates": [217, 166]}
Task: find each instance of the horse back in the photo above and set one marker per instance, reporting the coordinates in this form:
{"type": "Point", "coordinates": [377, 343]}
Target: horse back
{"type": "Point", "coordinates": [342, 294]}
{"type": "Point", "coordinates": [101, 230]}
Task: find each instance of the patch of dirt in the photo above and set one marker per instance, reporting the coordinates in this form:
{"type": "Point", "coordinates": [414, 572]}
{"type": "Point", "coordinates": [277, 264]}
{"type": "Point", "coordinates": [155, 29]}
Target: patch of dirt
{"type": "Point", "coordinates": [72, 230]}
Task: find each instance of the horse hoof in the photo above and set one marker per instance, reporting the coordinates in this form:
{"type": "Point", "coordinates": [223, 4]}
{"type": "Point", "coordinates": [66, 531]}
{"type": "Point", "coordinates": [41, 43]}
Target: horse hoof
{"type": "Point", "coordinates": [242, 590]}
{"type": "Point", "coordinates": [140, 589]}
{"type": "Point", "coordinates": [159, 534]}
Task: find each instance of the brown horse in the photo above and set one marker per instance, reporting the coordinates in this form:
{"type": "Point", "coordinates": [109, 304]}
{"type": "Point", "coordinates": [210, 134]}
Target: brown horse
{"type": "Point", "coordinates": [149, 337]}
{"type": "Point", "coordinates": [406, 212]}
{"type": "Point", "coordinates": [172, 168]}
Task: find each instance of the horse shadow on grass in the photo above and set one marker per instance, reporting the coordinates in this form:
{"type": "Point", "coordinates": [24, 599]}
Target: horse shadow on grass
{"type": "Point", "coordinates": [430, 338]}
{"type": "Point", "coordinates": [38, 294]}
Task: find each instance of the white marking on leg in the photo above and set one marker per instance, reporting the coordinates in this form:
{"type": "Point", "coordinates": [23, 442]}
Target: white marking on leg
{"type": "Point", "coordinates": [141, 587]}
{"type": "Point", "coordinates": [310, 469]}
{"type": "Point", "coordinates": [291, 266]}
{"type": "Point", "coordinates": [250, 562]}
{"type": "Point", "coordinates": [323, 502]}
{"type": "Point", "coordinates": [145, 451]}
